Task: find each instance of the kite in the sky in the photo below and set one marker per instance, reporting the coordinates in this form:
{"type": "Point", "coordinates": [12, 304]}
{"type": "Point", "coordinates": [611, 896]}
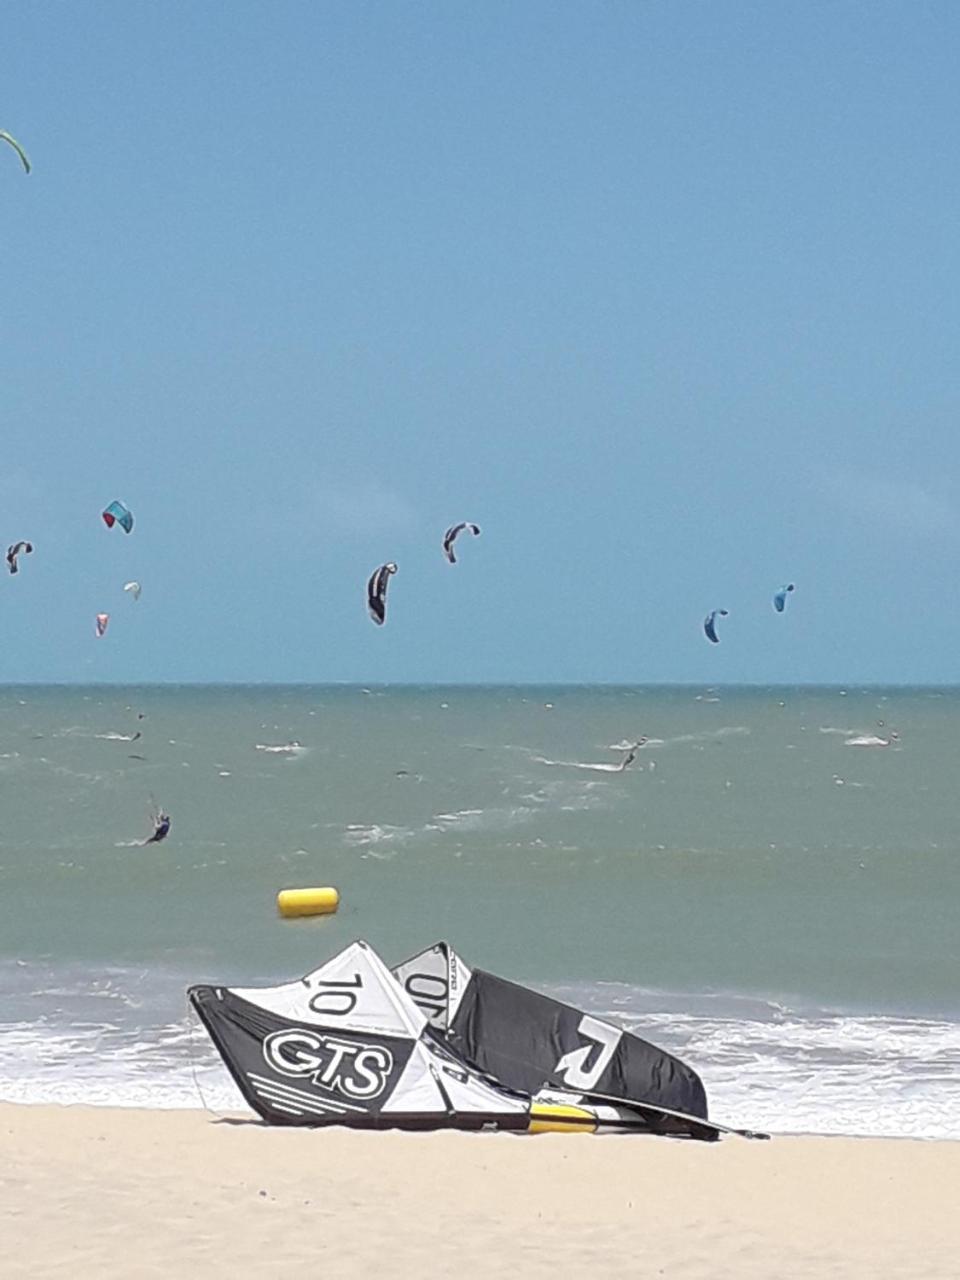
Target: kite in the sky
{"type": "Point", "coordinates": [377, 592]}
{"type": "Point", "coordinates": [450, 537]}
{"type": "Point", "coordinates": [710, 624]}
{"type": "Point", "coordinates": [117, 513]}
{"type": "Point", "coordinates": [134, 588]}
{"type": "Point", "coordinates": [780, 599]}
{"type": "Point", "coordinates": [102, 620]}
{"type": "Point", "coordinates": [17, 148]}
{"type": "Point", "coordinates": [17, 549]}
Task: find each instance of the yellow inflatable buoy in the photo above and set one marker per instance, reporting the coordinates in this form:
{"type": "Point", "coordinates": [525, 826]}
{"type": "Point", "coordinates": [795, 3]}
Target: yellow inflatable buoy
{"type": "Point", "coordinates": [307, 902]}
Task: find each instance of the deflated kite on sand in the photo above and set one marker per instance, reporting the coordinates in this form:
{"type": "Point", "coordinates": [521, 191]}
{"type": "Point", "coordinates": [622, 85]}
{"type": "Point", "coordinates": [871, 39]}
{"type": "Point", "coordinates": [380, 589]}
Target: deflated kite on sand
{"type": "Point", "coordinates": [436, 1045]}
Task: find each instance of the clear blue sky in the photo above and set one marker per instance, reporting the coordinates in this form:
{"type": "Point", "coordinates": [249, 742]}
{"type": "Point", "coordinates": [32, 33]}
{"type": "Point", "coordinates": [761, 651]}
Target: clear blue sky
{"type": "Point", "coordinates": [663, 295]}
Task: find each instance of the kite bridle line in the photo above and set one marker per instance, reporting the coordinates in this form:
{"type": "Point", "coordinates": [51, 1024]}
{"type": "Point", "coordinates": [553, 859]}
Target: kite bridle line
{"type": "Point", "coordinates": [195, 1040]}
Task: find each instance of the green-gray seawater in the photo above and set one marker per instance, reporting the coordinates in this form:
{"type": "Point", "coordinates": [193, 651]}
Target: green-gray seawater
{"type": "Point", "coordinates": [771, 884]}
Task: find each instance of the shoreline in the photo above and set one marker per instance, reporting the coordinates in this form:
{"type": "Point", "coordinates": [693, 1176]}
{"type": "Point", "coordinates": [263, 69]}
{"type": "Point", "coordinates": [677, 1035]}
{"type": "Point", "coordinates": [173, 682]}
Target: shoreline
{"type": "Point", "coordinates": [117, 1192]}
{"type": "Point", "coordinates": [237, 1112]}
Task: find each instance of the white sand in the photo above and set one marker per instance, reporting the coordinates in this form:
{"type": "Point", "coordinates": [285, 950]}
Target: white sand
{"type": "Point", "coordinates": [101, 1193]}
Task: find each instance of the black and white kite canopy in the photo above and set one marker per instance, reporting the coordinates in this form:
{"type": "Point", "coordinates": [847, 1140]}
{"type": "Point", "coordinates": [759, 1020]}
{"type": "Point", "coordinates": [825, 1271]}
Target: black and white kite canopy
{"type": "Point", "coordinates": [434, 1044]}
{"type": "Point", "coordinates": [14, 551]}
{"type": "Point", "coordinates": [532, 1042]}
{"type": "Point", "coordinates": [346, 1045]}
{"type": "Point", "coordinates": [454, 532]}
{"type": "Point", "coordinates": [377, 592]}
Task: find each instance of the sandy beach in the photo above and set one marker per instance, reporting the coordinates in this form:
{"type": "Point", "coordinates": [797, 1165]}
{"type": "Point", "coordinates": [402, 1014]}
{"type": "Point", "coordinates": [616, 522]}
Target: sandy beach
{"type": "Point", "coordinates": [104, 1192]}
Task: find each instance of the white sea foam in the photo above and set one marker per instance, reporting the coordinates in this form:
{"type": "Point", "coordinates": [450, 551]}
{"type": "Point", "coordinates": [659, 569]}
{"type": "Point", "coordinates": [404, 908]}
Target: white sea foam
{"type": "Point", "coordinates": [766, 1066]}
{"type": "Point", "coordinates": [707, 735]}
{"type": "Point", "coordinates": [649, 744]}
{"type": "Point", "coordinates": [493, 819]}
{"type": "Point", "coordinates": [879, 1076]}
{"type": "Point", "coordinates": [358, 834]}
{"type": "Point", "coordinates": [859, 737]}
{"type": "Point", "coordinates": [96, 1064]}
{"type": "Point", "coordinates": [601, 767]}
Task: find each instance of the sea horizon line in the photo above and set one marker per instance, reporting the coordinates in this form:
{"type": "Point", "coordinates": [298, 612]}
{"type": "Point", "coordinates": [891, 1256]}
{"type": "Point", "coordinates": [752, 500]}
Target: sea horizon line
{"type": "Point", "coordinates": [831, 685]}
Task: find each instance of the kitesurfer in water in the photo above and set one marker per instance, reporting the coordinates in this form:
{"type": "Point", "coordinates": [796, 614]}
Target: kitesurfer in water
{"type": "Point", "coordinates": [631, 755]}
{"type": "Point", "coordinates": [161, 828]}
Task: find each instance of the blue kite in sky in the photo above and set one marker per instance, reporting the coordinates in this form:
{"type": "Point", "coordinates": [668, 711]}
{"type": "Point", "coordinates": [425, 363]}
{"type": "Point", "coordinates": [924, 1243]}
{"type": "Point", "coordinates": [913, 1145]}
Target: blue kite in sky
{"type": "Point", "coordinates": [710, 625]}
{"type": "Point", "coordinates": [780, 599]}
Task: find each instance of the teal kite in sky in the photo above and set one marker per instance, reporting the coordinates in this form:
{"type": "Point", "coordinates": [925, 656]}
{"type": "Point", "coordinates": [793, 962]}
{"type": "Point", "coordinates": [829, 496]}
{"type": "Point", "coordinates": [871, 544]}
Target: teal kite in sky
{"type": "Point", "coordinates": [117, 513]}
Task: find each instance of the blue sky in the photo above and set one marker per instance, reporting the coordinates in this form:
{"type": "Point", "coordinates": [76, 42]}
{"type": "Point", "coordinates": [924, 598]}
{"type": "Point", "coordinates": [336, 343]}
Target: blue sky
{"type": "Point", "coordinates": [664, 296]}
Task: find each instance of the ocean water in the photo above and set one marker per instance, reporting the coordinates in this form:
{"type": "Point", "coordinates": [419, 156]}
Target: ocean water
{"type": "Point", "coordinates": [771, 889]}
